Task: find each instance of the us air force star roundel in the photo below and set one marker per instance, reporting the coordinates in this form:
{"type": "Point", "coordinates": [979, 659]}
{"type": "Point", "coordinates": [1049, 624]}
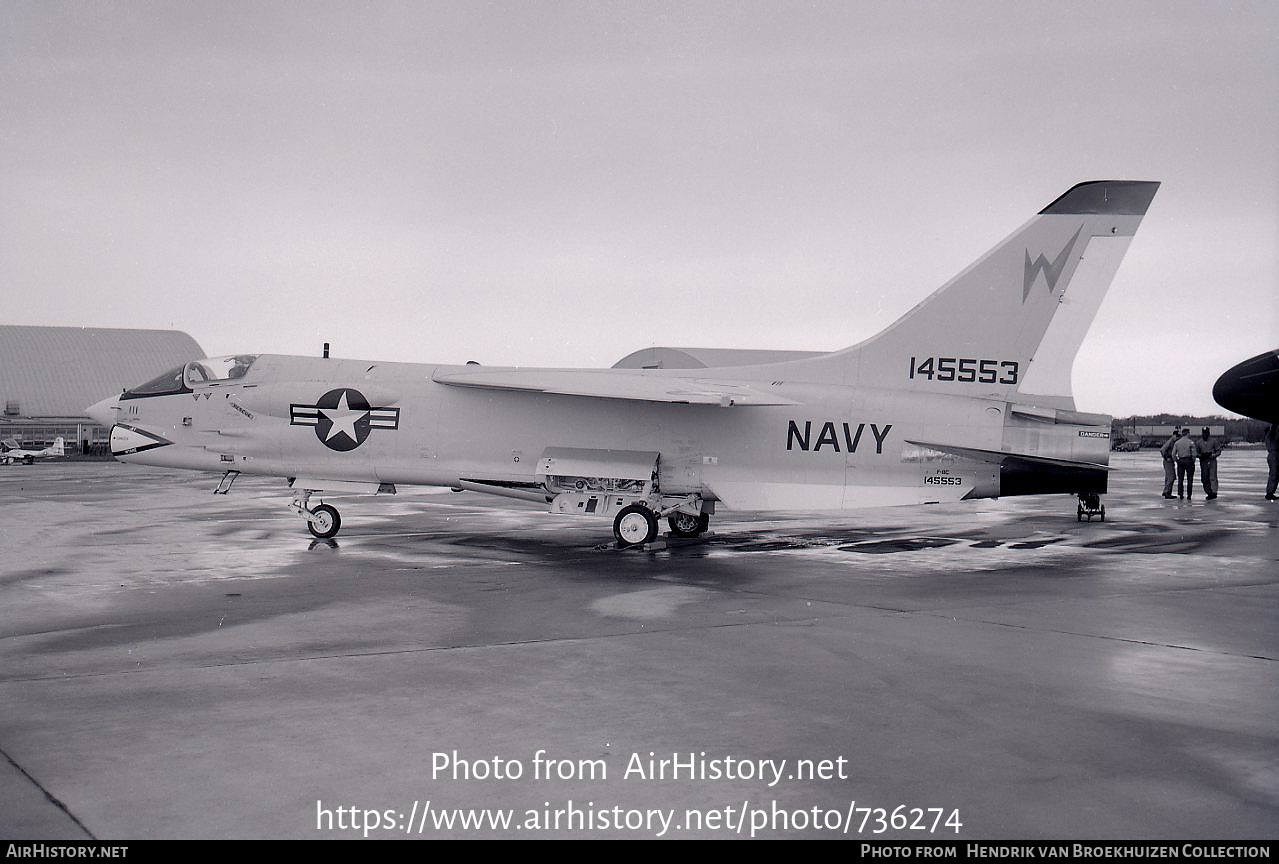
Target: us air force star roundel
{"type": "Point", "coordinates": [343, 418]}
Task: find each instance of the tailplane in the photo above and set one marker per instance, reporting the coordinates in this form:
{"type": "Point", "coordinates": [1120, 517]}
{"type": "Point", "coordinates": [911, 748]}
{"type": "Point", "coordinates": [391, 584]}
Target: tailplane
{"type": "Point", "coordinates": [1013, 321]}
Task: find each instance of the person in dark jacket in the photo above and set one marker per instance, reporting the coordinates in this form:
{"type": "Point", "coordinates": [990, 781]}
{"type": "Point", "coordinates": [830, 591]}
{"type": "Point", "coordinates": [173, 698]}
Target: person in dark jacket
{"type": "Point", "coordinates": [1272, 459]}
{"type": "Point", "coordinates": [1170, 465]}
{"type": "Point", "coordinates": [1209, 449]}
{"type": "Point", "coordinates": [1184, 451]}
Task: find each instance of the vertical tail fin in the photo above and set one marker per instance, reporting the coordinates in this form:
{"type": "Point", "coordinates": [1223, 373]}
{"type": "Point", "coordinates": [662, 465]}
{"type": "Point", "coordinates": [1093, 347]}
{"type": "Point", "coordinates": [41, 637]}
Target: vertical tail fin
{"type": "Point", "coordinates": [1013, 321]}
{"type": "Point", "coordinates": [58, 447]}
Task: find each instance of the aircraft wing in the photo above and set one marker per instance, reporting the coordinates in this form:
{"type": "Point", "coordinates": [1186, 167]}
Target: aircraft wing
{"type": "Point", "coordinates": [609, 384]}
{"type": "Point", "coordinates": [998, 456]}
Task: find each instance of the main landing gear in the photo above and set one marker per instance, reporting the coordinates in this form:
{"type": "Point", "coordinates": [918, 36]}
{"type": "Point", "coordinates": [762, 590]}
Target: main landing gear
{"type": "Point", "coordinates": [1090, 505]}
{"type": "Point", "coordinates": [636, 525]}
{"type": "Point", "coordinates": [688, 525]}
{"type": "Point", "coordinates": [322, 521]}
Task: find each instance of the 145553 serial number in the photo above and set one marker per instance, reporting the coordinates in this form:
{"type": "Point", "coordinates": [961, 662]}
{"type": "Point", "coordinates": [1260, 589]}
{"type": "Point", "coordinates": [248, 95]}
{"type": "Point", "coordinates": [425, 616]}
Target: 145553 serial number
{"type": "Point", "coordinates": [965, 369]}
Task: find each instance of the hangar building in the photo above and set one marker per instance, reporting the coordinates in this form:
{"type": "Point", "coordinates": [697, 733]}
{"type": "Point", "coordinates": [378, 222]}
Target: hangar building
{"type": "Point", "coordinates": [1155, 436]}
{"type": "Point", "coordinates": [49, 375]}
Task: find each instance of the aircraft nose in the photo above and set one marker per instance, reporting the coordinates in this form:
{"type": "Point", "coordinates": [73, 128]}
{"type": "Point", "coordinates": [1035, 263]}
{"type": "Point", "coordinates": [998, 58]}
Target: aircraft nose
{"type": "Point", "coordinates": [104, 412]}
{"type": "Point", "coordinates": [1250, 388]}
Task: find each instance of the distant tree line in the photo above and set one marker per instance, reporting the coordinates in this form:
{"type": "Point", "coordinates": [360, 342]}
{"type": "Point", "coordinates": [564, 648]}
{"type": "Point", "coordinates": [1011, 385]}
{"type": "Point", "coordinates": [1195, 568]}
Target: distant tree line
{"type": "Point", "coordinates": [1240, 429]}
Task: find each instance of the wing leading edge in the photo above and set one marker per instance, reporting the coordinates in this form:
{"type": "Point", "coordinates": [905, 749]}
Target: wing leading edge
{"type": "Point", "coordinates": [607, 384]}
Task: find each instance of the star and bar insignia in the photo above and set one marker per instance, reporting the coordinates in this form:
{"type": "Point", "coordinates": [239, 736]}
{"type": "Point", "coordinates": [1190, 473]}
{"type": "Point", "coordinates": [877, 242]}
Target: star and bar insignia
{"type": "Point", "coordinates": [343, 418]}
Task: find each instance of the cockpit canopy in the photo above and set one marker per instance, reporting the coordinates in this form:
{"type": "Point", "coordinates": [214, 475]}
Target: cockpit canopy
{"type": "Point", "coordinates": [212, 370]}
{"type": "Point", "coordinates": [161, 385]}
{"type": "Point", "coordinates": [209, 370]}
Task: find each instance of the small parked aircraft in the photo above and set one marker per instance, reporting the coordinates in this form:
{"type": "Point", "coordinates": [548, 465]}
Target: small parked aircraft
{"type": "Point", "coordinates": [11, 452]}
{"type": "Point", "coordinates": [967, 396]}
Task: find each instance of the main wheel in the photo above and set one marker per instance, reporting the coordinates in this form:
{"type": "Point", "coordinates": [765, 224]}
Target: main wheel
{"type": "Point", "coordinates": [686, 525]}
{"type": "Point", "coordinates": [634, 526]}
{"type": "Point", "coordinates": [327, 521]}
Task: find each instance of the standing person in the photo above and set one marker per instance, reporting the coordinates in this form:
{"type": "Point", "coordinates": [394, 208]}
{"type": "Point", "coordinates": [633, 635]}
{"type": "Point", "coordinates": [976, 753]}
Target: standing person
{"type": "Point", "coordinates": [1209, 449]}
{"type": "Point", "coordinates": [1170, 466]}
{"type": "Point", "coordinates": [1272, 459]}
{"type": "Point", "coordinates": [1184, 451]}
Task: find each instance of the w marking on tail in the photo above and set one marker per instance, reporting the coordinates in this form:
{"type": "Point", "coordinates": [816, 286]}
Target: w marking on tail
{"type": "Point", "coordinates": [1052, 272]}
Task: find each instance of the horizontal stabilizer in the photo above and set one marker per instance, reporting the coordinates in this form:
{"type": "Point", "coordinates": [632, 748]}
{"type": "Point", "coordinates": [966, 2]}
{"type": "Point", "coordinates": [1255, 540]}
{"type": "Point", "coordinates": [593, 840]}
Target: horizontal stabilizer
{"type": "Point", "coordinates": [999, 456]}
{"type": "Point", "coordinates": [1057, 415]}
{"type": "Point", "coordinates": [609, 384]}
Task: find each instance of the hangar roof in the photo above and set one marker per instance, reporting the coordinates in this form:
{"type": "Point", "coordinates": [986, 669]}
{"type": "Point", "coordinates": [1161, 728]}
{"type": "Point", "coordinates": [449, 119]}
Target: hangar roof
{"type": "Point", "coordinates": [60, 371]}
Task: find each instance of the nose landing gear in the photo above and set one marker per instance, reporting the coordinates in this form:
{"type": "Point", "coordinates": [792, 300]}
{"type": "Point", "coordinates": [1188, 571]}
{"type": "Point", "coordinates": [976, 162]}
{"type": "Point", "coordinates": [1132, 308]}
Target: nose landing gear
{"type": "Point", "coordinates": [322, 521]}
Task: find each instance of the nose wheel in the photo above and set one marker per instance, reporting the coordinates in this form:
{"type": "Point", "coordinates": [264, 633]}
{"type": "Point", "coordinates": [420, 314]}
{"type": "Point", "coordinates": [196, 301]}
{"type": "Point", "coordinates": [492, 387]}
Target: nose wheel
{"type": "Point", "coordinates": [324, 521]}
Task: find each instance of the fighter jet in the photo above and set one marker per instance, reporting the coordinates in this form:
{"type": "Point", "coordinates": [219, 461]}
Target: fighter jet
{"type": "Point", "coordinates": [10, 451]}
{"type": "Point", "coordinates": [967, 396]}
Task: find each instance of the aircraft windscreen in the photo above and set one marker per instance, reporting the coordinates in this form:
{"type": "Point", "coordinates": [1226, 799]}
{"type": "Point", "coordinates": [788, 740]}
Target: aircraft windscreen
{"type": "Point", "coordinates": [161, 385]}
{"type": "Point", "coordinates": [216, 369]}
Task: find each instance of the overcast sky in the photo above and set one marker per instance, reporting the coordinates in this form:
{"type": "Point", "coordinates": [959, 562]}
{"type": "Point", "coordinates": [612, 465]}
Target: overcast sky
{"type": "Point", "coordinates": [555, 183]}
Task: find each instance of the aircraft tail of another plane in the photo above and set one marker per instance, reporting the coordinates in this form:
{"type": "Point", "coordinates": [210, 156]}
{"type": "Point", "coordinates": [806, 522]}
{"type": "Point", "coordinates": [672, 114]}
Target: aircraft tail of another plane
{"type": "Point", "coordinates": [59, 447]}
{"type": "Point", "coordinates": [1013, 321]}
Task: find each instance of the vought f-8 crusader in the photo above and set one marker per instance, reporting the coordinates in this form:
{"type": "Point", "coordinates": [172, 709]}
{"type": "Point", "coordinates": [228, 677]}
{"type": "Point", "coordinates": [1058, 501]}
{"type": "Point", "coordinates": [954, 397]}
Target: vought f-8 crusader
{"type": "Point", "coordinates": [966, 396]}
